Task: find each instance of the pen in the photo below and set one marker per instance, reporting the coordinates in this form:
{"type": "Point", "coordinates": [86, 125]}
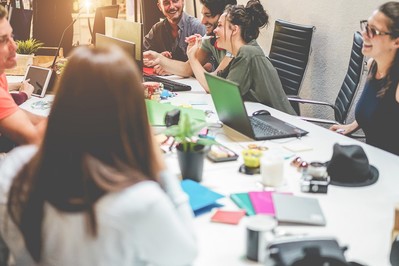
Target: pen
{"type": "Point", "coordinates": [207, 37]}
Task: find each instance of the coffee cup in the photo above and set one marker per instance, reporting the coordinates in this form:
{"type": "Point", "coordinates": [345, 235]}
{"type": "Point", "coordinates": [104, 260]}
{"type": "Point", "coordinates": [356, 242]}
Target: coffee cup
{"type": "Point", "coordinates": [272, 170]}
{"type": "Point", "coordinates": [260, 231]}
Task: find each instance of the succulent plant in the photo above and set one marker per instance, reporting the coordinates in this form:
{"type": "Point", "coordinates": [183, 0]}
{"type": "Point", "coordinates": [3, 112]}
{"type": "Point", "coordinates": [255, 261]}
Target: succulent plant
{"type": "Point", "coordinates": [29, 46]}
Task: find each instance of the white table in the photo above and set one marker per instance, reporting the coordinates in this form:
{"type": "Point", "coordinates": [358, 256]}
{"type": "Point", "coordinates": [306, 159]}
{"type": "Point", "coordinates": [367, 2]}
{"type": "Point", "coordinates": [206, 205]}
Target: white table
{"type": "Point", "coordinates": [361, 218]}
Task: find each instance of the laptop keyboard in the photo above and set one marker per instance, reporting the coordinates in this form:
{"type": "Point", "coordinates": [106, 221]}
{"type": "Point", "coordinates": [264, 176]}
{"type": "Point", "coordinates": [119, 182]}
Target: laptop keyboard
{"type": "Point", "coordinates": [261, 128]}
{"type": "Point", "coordinates": [170, 85]}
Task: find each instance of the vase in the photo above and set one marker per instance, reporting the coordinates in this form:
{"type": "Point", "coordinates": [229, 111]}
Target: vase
{"type": "Point", "coordinates": [191, 162]}
{"type": "Point", "coordinates": [23, 61]}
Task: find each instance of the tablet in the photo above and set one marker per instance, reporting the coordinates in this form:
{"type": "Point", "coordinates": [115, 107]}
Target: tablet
{"type": "Point", "coordinates": [40, 78]}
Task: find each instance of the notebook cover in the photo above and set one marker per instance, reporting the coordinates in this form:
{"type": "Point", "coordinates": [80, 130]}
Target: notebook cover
{"type": "Point", "coordinates": [243, 201]}
{"type": "Point", "coordinates": [201, 198]}
{"type": "Point", "coordinates": [156, 112]}
{"type": "Point", "coordinates": [148, 70]}
{"type": "Point", "coordinates": [227, 217]}
{"type": "Point", "coordinates": [262, 202]}
{"type": "Point", "coordinates": [298, 210]}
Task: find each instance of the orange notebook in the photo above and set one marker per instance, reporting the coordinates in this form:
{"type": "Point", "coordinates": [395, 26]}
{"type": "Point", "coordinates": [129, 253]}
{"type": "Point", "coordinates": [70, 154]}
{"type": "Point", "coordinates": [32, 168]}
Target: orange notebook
{"type": "Point", "coordinates": [227, 217]}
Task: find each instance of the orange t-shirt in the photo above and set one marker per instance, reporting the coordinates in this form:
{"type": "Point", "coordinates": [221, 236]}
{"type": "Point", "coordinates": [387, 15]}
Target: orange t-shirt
{"type": "Point", "coordinates": [7, 104]}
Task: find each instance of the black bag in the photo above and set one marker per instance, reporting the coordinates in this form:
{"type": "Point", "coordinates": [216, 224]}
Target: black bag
{"type": "Point", "coordinates": [306, 251]}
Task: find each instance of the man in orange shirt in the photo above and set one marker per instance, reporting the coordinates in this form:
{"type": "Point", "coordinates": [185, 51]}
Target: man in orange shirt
{"type": "Point", "coordinates": [16, 125]}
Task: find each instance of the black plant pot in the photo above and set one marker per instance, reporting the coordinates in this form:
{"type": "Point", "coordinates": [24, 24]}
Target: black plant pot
{"type": "Point", "coordinates": [192, 162]}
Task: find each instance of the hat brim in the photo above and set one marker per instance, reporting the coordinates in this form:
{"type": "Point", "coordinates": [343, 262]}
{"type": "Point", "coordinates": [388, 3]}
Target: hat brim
{"type": "Point", "coordinates": [373, 177]}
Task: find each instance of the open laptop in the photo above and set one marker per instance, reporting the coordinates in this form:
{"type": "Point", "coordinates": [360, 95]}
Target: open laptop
{"type": "Point", "coordinates": [105, 41]}
{"type": "Point", "coordinates": [231, 111]}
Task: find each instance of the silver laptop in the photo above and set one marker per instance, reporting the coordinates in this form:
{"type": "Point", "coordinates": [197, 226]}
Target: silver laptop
{"type": "Point", "coordinates": [298, 210]}
{"type": "Point", "coordinates": [231, 111]}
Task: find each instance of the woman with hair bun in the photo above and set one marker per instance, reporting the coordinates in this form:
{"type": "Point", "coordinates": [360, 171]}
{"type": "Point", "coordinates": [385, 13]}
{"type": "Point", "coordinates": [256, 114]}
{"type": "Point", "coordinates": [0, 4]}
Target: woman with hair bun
{"type": "Point", "coordinates": [237, 31]}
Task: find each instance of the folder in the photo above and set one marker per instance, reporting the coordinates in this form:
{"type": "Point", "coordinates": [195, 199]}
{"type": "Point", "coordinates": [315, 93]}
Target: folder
{"type": "Point", "coordinates": [243, 201]}
{"type": "Point", "coordinates": [262, 202]}
{"type": "Point", "coordinates": [201, 198]}
{"type": "Point", "coordinates": [156, 112]}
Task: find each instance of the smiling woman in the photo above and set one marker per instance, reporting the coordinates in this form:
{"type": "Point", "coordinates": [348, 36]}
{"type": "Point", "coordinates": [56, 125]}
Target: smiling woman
{"type": "Point", "coordinates": [237, 31]}
{"type": "Point", "coordinates": [380, 97]}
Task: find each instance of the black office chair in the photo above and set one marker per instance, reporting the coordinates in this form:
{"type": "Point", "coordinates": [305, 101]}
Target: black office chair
{"type": "Point", "coordinates": [289, 54]}
{"type": "Point", "coordinates": [348, 89]}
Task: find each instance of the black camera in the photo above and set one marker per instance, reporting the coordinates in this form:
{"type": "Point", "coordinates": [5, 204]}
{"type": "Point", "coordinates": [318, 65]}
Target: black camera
{"type": "Point", "coordinates": [315, 178]}
{"type": "Point", "coordinates": [315, 185]}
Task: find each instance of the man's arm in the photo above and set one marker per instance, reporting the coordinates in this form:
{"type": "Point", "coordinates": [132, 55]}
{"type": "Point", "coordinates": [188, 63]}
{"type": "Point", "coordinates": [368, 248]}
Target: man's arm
{"type": "Point", "coordinates": [19, 128]}
{"type": "Point", "coordinates": [183, 69]}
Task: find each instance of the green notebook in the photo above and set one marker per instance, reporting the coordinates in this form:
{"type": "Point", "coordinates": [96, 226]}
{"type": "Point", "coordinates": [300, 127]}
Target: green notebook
{"type": "Point", "coordinates": [243, 201]}
{"type": "Point", "coordinates": [156, 112]}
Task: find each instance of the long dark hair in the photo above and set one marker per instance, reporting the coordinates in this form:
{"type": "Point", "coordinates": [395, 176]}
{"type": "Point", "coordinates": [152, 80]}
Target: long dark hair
{"type": "Point", "coordinates": [97, 140]}
{"type": "Point", "coordinates": [391, 11]}
{"type": "Point", "coordinates": [250, 18]}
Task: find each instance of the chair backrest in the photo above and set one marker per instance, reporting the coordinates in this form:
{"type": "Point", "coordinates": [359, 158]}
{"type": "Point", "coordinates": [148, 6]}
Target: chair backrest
{"type": "Point", "coordinates": [289, 53]}
{"type": "Point", "coordinates": [351, 82]}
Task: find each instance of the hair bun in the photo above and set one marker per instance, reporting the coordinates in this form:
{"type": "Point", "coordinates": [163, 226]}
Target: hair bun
{"type": "Point", "coordinates": [257, 14]}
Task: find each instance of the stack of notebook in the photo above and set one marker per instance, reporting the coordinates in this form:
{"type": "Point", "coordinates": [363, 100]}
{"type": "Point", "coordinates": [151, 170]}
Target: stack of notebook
{"type": "Point", "coordinates": [286, 207]}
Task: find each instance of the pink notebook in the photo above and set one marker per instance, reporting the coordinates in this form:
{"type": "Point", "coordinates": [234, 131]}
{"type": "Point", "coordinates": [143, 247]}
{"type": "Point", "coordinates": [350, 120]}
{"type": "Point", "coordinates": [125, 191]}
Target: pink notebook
{"type": "Point", "coordinates": [262, 202]}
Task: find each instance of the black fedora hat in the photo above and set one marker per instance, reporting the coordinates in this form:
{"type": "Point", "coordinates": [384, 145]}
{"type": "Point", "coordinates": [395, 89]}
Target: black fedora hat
{"type": "Point", "coordinates": [349, 167]}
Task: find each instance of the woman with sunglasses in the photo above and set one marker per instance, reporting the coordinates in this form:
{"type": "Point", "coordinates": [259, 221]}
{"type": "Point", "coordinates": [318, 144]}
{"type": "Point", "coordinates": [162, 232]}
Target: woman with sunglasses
{"type": "Point", "coordinates": [380, 97]}
{"type": "Point", "coordinates": [236, 32]}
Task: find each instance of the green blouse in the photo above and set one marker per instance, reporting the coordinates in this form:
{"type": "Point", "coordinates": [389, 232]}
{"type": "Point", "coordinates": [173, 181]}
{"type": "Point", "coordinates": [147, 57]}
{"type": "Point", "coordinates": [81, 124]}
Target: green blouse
{"type": "Point", "coordinates": [257, 78]}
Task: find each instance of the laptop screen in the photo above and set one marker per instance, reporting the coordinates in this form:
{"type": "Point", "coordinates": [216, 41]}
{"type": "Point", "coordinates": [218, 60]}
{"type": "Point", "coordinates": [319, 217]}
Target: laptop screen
{"type": "Point", "coordinates": [231, 109]}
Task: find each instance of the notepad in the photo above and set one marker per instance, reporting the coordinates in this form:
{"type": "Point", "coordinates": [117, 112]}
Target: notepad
{"type": "Point", "coordinates": [243, 201]}
{"type": "Point", "coordinates": [201, 198]}
{"type": "Point", "coordinates": [227, 217]}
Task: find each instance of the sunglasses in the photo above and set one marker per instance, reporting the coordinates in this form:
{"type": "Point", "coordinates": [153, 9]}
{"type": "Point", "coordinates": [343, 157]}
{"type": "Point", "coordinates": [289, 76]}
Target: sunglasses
{"type": "Point", "coordinates": [371, 32]}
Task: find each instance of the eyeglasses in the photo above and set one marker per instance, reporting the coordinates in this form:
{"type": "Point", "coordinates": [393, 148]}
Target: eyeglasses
{"type": "Point", "coordinates": [5, 39]}
{"type": "Point", "coordinates": [371, 32]}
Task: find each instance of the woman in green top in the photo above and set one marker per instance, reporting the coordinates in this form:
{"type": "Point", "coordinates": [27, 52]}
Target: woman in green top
{"type": "Point", "coordinates": [237, 31]}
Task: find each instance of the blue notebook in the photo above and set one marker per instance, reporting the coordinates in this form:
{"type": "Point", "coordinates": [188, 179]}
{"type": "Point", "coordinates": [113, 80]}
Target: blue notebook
{"type": "Point", "coordinates": [202, 199]}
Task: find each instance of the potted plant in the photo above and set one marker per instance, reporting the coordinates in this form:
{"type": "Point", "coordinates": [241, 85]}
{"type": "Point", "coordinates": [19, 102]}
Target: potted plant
{"type": "Point", "coordinates": [29, 46]}
{"type": "Point", "coordinates": [25, 54]}
{"type": "Point", "coordinates": [191, 150]}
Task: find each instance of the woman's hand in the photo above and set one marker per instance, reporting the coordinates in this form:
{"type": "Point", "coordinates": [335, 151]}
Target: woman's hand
{"type": "Point", "coordinates": [194, 45]}
{"type": "Point", "coordinates": [345, 129]}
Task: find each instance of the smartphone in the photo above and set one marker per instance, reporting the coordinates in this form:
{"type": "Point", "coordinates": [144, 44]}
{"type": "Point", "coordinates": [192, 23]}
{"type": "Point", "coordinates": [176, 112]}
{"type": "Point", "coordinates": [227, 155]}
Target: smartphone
{"type": "Point", "coordinates": [220, 153]}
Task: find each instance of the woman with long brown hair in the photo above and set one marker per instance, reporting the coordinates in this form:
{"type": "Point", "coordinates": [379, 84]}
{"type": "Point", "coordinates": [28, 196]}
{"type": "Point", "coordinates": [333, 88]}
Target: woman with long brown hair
{"type": "Point", "coordinates": [95, 192]}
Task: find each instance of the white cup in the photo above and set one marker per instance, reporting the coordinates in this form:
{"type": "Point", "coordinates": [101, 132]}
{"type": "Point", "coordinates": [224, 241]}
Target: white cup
{"type": "Point", "coordinates": [272, 170]}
